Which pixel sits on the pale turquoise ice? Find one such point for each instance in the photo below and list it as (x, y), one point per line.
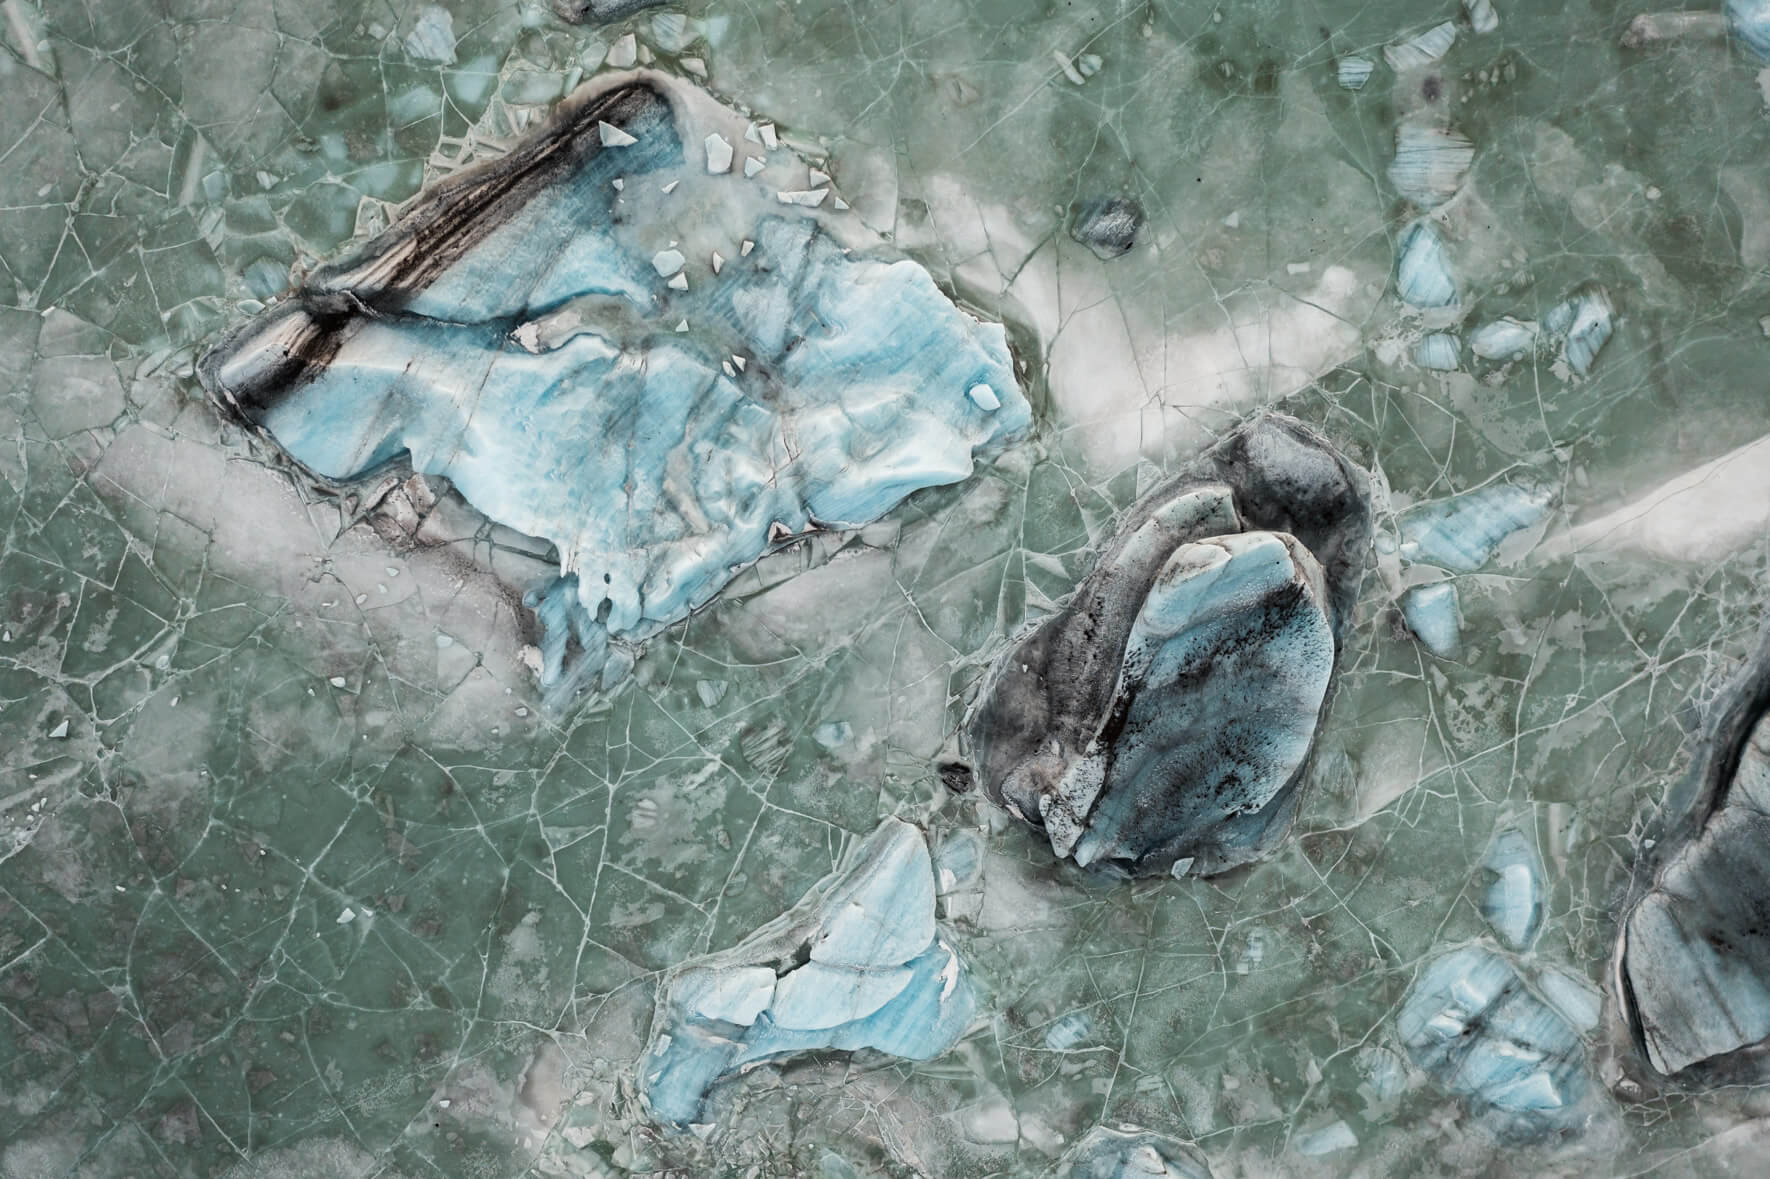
(1464, 531)
(1432, 614)
(1513, 900)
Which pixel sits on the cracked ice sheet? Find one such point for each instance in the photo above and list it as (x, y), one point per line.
(177, 988)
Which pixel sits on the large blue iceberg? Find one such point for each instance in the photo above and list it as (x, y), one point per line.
(1162, 720)
(859, 963)
(553, 333)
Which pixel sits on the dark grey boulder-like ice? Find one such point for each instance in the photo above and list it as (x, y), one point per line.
(1130, 1153)
(858, 964)
(621, 339)
(1162, 720)
(1108, 225)
(1693, 958)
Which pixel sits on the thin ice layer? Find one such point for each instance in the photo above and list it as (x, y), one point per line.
(514, 335)
(901, 988)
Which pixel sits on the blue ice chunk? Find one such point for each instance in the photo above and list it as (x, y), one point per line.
(1423, 276)
(1130, 1153)
(768, 997)
(1069, 1031)
(1438, 351)
(1472, 1025)
(1512, 902)
(1584, 321)
(1431, 613)
(1430, 161)
(1239, 622)
(1335, 1136)
(1749, 22)
(512, 335)
(1503, 339)
(1464, 531)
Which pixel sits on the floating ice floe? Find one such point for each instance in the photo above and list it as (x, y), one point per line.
(1423, 276)
(1161, 721)
(1749, 22)
(1512, 902)
(1693, 957)
(510, 334)
(1421, 50)
(1431, 613)
(1108, 225)
(1130, 1153)
(1473, 1025)
(1438, 351)
(858, 964)
(1353, 72)
(1481, 14)
(1503, 339)
(1464, 531)
(1583, 321)
(1328, 1139)
(433, 36)
(719, 153)
(1430, 162)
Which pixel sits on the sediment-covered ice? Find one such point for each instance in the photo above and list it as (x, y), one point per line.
(517, 334)
(858, 964)
(1130, 1153)
(1694, 954)
(1162, 720)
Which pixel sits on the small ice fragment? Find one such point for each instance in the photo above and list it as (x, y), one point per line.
(619, 183)
(444, 642)
(768, 137)
(433, 36)
(1069, 1032)
(1421, 50)
(718, 262)
(752, 135)
(1438, 351)
(1482, 17)
(746, 247)
(624, 53)
(60, 731)
(1749, 22)
(336, 681)
(838, 203)
(669, 188)
(671, 32)
(1326, 1140)
(1430, 162)
(1584, 319)
(810, 198)
(1353, 72)
(678, 281)
(753, 165)
(1108, 225)
(1431, 613)
(613, 136)
(682, 325)
(833, 734)
(711, 692)
(719, 154)
(1503, 339)
(1513, 900)
(346, 917)
(818, 177)
(985, 397)
(1089, 64)
(739, 361)
(667, 262)
(1068, 67)
(725, 367)
(1422, 272)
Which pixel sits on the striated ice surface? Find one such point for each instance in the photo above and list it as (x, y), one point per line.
(1130, 1153)
(858, 964)
(531, 356)
(1513, 900)
(1423, 277)
(1465, 531)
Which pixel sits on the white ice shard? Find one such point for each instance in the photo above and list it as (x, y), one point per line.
(901, 989)
(1431, 613)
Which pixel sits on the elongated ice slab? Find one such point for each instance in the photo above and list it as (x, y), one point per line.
(1353, 72)
(1422, 49)
(1430, 162)
(1475, 1027)
(1465, 531)
(1130, 1153)
(522, 332)
(1513, 900)
(1694, 955)
(1162, 720)
(857, 964)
